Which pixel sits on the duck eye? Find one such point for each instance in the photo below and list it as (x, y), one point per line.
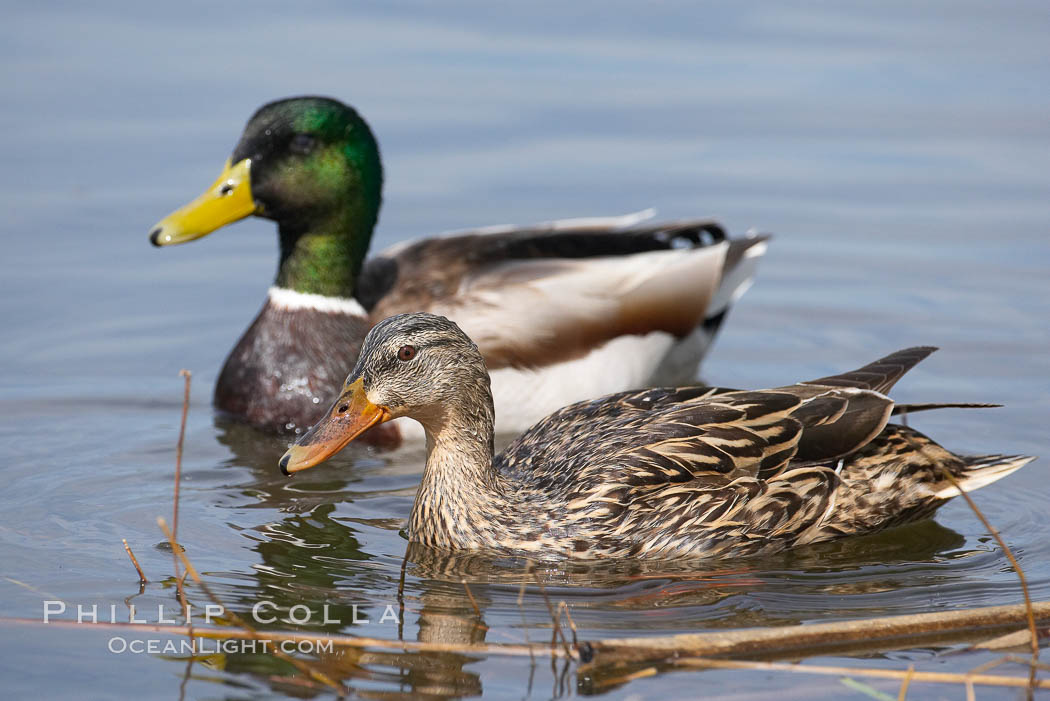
(406, 353)
(302, 143)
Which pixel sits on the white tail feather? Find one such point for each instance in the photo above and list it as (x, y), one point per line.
(737, 281)
(983, 471)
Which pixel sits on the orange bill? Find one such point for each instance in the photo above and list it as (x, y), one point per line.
(351, 415)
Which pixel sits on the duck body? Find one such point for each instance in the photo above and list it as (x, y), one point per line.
(660, 501)
(657, 473)
(282, 369)
(562, 311)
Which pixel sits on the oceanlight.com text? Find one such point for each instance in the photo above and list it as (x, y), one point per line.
(120, 645)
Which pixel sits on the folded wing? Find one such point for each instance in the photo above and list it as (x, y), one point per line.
(534, 297)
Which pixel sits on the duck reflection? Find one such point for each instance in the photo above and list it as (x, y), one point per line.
(312, 560)
(313, 577)
(268, 488)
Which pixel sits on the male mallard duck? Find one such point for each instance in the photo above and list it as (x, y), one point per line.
(562, 311)
(655, 473)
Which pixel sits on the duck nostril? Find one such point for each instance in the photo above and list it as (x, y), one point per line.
(226, 189)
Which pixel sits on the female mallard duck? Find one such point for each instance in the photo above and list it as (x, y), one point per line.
(561, 312)
(654, 473)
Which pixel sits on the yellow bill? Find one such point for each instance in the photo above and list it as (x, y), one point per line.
(227, 200)
(351, 415)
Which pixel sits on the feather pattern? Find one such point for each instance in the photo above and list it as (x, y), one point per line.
(666, 472)
(536, 297)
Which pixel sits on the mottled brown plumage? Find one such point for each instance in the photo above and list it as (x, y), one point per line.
(658, 473)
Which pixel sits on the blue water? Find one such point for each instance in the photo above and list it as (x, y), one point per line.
(897, 152)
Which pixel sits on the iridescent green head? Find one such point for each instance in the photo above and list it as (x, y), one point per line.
(312, 165)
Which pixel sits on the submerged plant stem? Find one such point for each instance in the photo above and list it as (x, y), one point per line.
(178, 453)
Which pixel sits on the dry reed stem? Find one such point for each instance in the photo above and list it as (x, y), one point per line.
(909, 673)
(1032, 630)
(1018, 638)
(470, 595)
(521, 610)
(180, 578)
(827, 670)
(991, 664)
(134, 561)
(185, 677)
(180, 592)
(555, 624)
(401, 597)
(562, 606)
(630, 677)
(178, 453)
(886, 632)
(180, 588)
(480, 623)
(1023, 660)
